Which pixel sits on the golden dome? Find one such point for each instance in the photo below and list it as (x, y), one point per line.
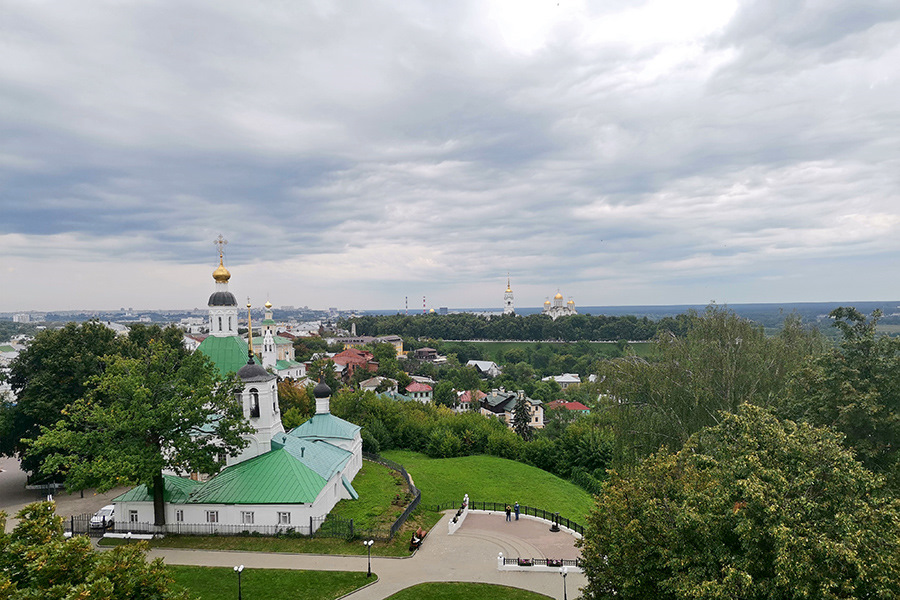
(558, 296)
(508, 290)
(570, 302)
(546, 302)
(221, 274)
(431, 311)
(268, 304)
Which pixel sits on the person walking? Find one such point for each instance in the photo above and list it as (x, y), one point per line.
(517, 510)
(508, 512)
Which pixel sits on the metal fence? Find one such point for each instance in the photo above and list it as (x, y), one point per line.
(525, 510)
(542, 562)
(329, 526)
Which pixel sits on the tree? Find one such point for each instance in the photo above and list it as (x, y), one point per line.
(37, 561)
(57, 368)
(855, 389)
(162, 410)
(722, 362)
(753, 508)
(522, 418)
(323, 370)
(444, 394)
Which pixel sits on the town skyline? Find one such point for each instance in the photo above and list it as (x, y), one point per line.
(630, 154)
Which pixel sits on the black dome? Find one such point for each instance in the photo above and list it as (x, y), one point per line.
(321, 390)
(222, 299)
(253, 371)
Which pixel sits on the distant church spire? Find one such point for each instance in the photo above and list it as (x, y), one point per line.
(508, 308)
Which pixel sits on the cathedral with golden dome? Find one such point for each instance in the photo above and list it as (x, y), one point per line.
(559, 308)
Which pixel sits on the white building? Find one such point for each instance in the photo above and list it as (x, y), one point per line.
(564, 380)
(559, 308)
(508, 308)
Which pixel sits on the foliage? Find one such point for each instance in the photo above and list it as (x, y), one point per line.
(55, 370)
(37, 561)
(215, 583)
(855, 389)
(323, 370)
(162, 410)
(522, 418)
(722, 362)
(295, 403)
(752, 508)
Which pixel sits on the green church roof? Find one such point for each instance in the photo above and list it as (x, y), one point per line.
(275, 477)
(287, 364)
(320, 456)
(326, 426)
(229, 353)
(175, 490)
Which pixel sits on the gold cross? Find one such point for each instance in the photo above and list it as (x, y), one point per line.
(220, 243)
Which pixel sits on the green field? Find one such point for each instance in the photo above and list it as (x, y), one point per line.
(464, 591)
(383, 496)
(214, 583)
(492, 479)
(495, 350)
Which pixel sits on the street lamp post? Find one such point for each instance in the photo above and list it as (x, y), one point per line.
(368, 545)
(238, 570)
(564, 571)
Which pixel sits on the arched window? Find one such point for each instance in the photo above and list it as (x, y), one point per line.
(220, 323)
(229, 324)
(254, 402)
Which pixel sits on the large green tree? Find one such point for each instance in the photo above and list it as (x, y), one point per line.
(37, 561)
(855, 389)
(161, 410)
(722, 362)
(754, 508)
(58, 367)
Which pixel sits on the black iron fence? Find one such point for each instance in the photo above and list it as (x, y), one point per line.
(329, 526)
(542, 562)
(525, 510)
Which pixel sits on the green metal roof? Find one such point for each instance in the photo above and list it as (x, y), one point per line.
(275, 477)
(7, 349)
(229, 354)
(353, 493)
(320, 456)
(268, 322)
(282, 340)
(326, 426)
(176, 490)
(287, 364)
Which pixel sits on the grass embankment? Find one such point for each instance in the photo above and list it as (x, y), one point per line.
(465, 591)
(491, 479)
(214, 583)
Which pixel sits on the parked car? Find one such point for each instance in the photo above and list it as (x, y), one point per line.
(104, 517)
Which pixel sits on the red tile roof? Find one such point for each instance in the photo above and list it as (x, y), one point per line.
(415, 386)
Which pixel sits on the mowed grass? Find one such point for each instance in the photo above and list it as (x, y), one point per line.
(383, 496)
(492, 479)
(215, 583)
(465, 591)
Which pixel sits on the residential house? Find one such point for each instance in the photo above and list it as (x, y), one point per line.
(502, 405)
(564, 380)
(485, 368)
(420, 391)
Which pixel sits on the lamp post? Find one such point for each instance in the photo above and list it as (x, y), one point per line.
(238, 570)
(564, 571)
(368, 545)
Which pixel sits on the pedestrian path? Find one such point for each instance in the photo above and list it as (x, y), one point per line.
(469, 555)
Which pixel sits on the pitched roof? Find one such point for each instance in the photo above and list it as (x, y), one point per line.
(324, 426)
(275, 477)
(175, 490)
(415, 386)
(320, 456)
(574, 405)
(229, 353)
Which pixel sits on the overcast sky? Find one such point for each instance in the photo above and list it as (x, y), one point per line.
(356, 153)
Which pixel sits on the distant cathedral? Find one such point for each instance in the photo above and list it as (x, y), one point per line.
(558, 308)
(508, 308)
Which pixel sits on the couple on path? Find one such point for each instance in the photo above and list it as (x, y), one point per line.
(509, 510)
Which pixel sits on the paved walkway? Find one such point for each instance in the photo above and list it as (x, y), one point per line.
(468, 555)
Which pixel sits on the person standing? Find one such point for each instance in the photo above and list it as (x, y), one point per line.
(517, 510)
(508, 513)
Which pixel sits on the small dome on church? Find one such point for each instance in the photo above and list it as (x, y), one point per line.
(221, 274)
(321, 390)
(571, 302)
(546, 303)
(268, 304)
(558, 296)
(222, 299)
(253, 371)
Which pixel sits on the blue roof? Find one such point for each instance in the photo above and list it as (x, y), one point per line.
(320, 456)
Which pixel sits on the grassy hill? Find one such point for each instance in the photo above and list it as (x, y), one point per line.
(492, 479)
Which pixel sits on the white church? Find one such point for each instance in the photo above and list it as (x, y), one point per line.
(281, 479)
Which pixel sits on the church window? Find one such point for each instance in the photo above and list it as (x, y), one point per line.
(212, 516)
(246, 517)
(179, 516)
(132, 516)
(284, 518)
(220, 323)
(254, 402)
(229, 324)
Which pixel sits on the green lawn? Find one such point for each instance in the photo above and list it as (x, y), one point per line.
(464, 591)
(214, 583)
(492, 479)
(383, 496)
